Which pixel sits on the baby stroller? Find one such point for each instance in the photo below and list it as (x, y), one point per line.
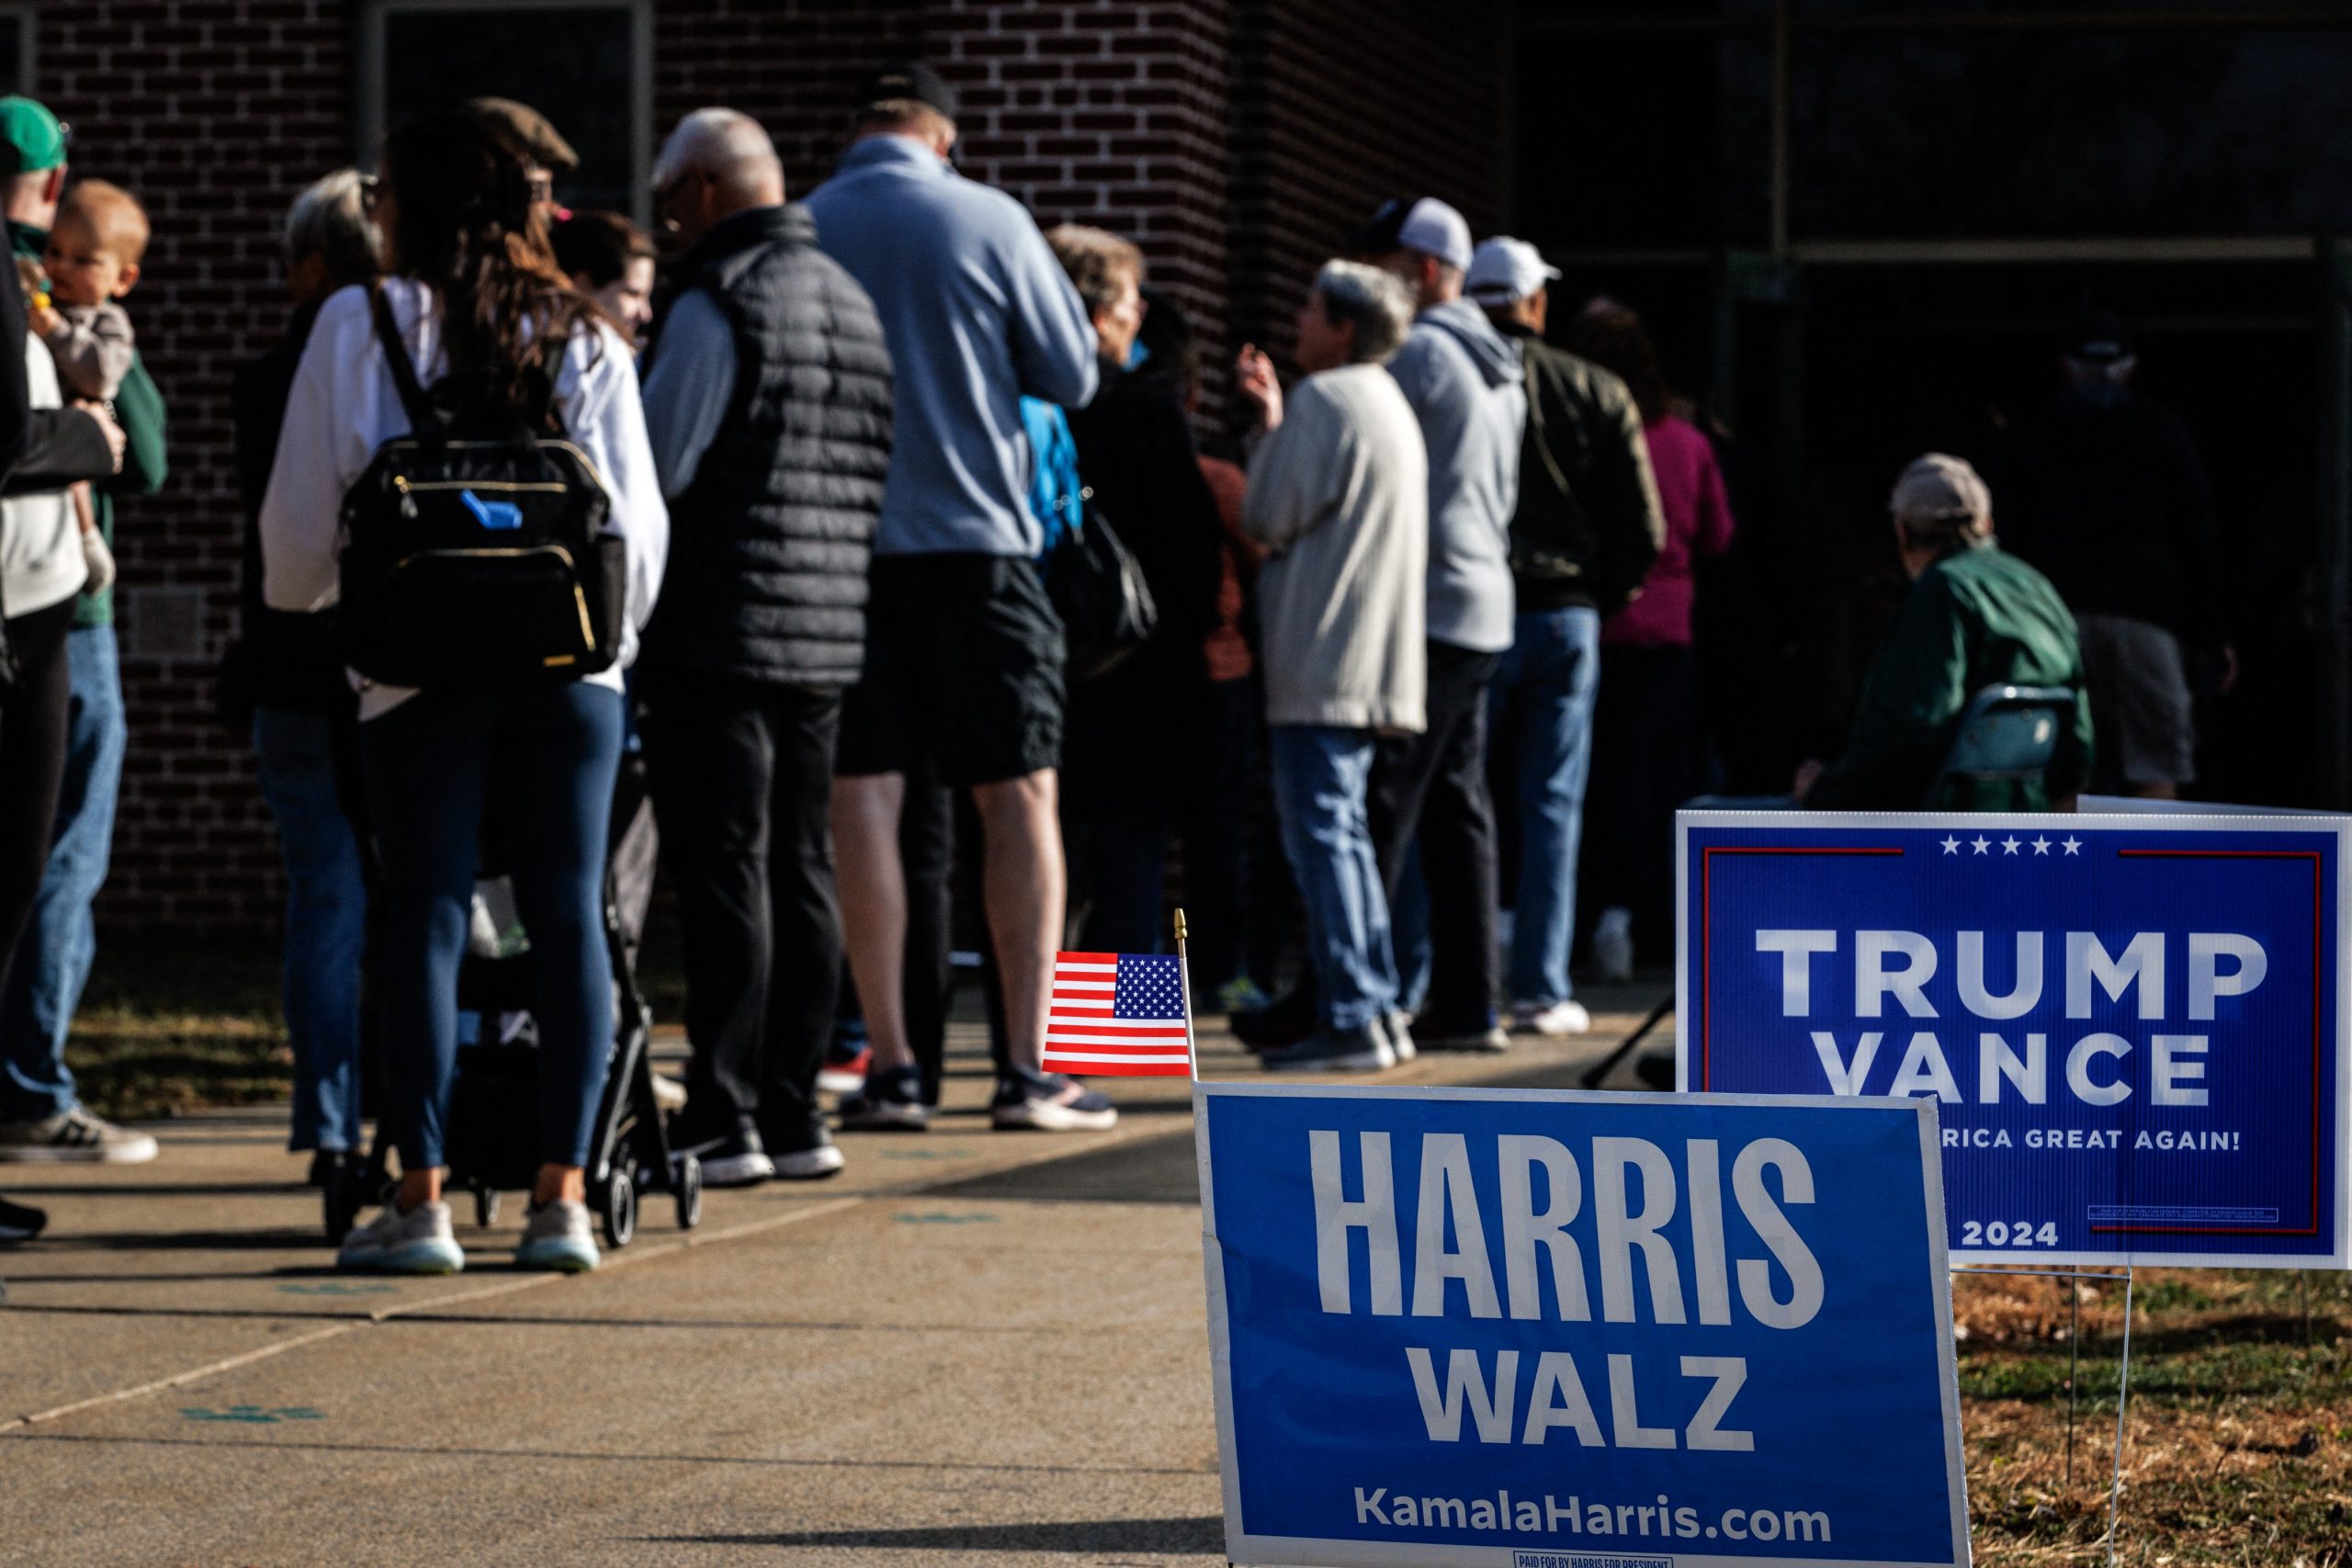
(493, 1118)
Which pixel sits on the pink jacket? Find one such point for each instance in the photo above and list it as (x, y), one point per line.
(1698, 523)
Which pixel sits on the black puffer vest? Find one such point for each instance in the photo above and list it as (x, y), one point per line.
(769, 545)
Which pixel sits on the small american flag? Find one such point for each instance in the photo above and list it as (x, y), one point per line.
(1118, 1015)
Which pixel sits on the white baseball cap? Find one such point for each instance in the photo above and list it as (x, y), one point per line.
(1503, 269)
(1427, 225)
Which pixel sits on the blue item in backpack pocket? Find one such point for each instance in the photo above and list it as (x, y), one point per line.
(500, 516)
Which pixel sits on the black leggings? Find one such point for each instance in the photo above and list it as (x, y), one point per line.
(33, 761)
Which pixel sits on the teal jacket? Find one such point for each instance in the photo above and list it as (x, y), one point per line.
(138, 409)
(1978, 617)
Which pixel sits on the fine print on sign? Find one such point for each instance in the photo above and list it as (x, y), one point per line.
(2134, 1027)
(1537, 1329)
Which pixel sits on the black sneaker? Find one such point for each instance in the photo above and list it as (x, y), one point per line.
(18, 1223)
(1472, 1034)
(892, 1102)
(1365, 1050)
(1285, 1023)
(1048, 1103)
(803, 1150)
(730, 1156)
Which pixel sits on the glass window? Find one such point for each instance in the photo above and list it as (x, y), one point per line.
(2153, 131)
(16, 49)
(580, 64)
(1644, 140)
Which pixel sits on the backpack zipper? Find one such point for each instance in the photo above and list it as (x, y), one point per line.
(579, 595)
(407, 486)
(586, 462)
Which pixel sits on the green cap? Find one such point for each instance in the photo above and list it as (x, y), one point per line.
(32, 139)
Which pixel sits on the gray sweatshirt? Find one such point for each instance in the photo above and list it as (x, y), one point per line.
(1338, 496)
(977, 312)
(1465, 385)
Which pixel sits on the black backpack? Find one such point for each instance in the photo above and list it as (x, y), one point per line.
(475, 548)
(1097, 588)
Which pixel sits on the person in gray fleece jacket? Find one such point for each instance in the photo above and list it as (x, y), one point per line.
(1467, 388)
(1338, 496)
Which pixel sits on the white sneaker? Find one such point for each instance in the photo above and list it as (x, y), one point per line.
(669, 1094)
(556, 1239)
(1558, 1020)
(1401, 1036)
(419, 1242)
(74, 1137)
(1613, 946)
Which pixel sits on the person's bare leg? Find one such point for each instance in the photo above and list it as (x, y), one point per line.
(873, 888)
(558, 1182)
(420, 1187)
(1024, 887)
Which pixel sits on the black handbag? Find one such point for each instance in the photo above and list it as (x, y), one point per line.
(1098, 589)
(475, 548)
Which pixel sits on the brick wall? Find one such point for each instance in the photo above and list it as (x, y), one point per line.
(215, 115)
(1234, 141)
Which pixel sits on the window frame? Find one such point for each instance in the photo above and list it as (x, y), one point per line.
(26, 14)
(368, 127)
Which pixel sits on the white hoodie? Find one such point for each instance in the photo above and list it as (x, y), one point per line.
(344, 406)
(41, 541)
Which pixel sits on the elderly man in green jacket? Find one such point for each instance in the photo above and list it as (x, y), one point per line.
(1976, 616)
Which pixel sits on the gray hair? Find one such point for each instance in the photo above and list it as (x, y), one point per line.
(1375, 301)
(330, 220)
(731, 148)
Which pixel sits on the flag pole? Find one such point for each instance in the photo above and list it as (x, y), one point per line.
(1184, 979)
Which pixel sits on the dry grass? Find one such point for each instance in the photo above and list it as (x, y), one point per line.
(2238, 1444)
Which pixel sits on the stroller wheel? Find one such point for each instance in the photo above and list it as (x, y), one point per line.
(620, 1207)
(485, 1206)
(687, 1183)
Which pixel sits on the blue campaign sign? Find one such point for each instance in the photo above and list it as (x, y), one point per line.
(2134, 1026)
(1535, 1329)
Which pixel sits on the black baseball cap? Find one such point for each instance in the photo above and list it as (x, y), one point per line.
(900, 81)
(2100, 338)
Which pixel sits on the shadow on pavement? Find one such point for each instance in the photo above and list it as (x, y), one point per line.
(1205, 1534)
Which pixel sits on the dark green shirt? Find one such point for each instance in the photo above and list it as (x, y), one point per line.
(1978, 617)
(138, 409)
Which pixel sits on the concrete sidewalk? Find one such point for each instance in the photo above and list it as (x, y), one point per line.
(971, 1347)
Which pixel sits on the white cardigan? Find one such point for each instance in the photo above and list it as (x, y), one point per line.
(40, 539)
(344, 406)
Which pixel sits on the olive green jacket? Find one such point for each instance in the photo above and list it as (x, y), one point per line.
(1978, 617)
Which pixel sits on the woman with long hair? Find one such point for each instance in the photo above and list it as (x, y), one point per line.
(479, 304)
(1646, 733)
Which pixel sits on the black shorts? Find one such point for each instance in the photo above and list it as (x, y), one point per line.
(962, 664)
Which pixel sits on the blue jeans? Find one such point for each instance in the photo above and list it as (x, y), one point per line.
(326, 922)
(1542, 699)
(544, 758)
(61, 941)
(1320, 776)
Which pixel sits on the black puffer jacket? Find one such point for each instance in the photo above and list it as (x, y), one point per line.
(769, 544)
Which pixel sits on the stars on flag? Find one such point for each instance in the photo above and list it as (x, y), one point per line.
(2042, 844)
